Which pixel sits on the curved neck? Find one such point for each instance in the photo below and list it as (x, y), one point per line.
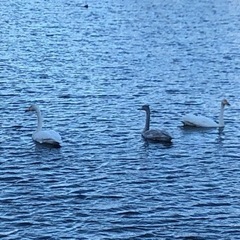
(221, 121)
(39, 118)
(147, 123)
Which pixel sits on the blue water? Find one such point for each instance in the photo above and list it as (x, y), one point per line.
(89, 70)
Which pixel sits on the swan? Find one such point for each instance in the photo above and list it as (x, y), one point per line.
(44, 136)
(153, 134)
(202, 121)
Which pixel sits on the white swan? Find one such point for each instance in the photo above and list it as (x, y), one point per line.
(202, 121)
(153, 134)
(44, 136)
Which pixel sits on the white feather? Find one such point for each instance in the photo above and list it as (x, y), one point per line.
(44, 136)
(198, 121)
(202, 121)
(47, 136)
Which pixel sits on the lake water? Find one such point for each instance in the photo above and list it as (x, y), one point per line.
(89, 70)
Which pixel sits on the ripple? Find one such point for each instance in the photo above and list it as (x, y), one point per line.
(90, 71)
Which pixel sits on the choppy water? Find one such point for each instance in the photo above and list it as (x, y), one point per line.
(90, 70)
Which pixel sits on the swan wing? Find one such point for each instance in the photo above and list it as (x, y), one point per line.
(198, 121)
(157, 135)
(47, 136)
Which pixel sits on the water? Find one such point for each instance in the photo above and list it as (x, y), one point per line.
(90, 70)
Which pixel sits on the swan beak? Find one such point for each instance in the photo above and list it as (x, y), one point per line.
(225, 102)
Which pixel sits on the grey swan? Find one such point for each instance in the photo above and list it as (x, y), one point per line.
(154, 135)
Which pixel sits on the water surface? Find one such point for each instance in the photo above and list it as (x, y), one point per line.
(89, 70)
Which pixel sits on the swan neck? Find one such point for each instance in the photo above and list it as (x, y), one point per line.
(39, 119)
(147, 123)
(221, 121)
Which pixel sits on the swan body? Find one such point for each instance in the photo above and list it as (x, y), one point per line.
(44, 136)
(153, 134)
(192, 120)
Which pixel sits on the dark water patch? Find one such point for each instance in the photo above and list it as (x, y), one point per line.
(212, 204)
(24, 224)
(8, 234)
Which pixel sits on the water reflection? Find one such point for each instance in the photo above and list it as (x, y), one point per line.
(148, 144)
(46, 151)
(221, 135)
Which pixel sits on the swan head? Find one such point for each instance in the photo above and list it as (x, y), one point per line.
(225, 103)
(145, 107)
(32, 108)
